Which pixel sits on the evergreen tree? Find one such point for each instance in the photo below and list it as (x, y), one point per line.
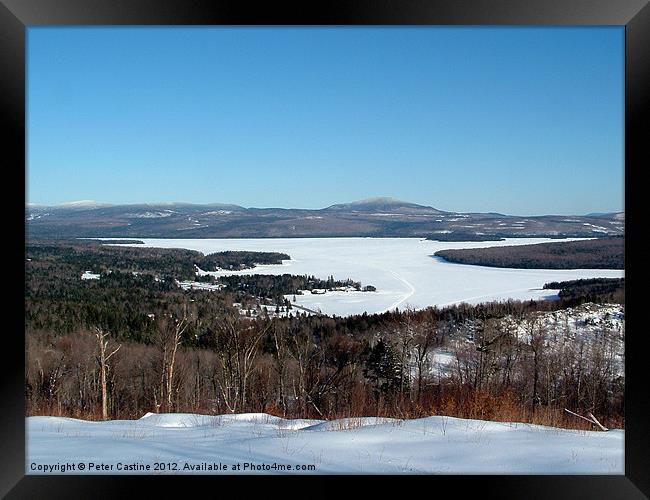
(383, 369)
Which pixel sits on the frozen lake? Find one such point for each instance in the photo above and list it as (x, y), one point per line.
(402, 269)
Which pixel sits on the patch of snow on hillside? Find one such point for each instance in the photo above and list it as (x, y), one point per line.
(197, 285)
(592, 326)
(443, 362)
(218, 212)
(149, 215)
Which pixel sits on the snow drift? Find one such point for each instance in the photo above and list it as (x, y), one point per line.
(261, 443)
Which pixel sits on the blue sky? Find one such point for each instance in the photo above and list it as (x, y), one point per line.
(512, 120)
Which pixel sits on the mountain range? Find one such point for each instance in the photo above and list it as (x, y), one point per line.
(376, 217)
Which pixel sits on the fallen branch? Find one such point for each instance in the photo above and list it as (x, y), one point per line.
(591, 420)
(603, 428)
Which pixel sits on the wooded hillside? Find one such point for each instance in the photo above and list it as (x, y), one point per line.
(601, 253)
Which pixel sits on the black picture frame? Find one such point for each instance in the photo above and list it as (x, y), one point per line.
(17, 15)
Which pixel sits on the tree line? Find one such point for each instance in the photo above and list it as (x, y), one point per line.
(591, 290)
(210, 361)
(601, 253)
(94, 256)
(276, 286)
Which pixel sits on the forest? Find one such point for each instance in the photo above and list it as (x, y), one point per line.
(127, 344)
(91, 255)
(592, 290)
(122, 299)
(600, 253)
(464, 236)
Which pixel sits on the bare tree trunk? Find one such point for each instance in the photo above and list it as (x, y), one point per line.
(591, 420)
(178, 332)
(102, 376)
(170, 332)
(102, 342)
(160, 397)
(280, 362)
(535, 378)
(197, 396)
(249, 353)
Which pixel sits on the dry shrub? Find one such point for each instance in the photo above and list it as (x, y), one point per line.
(274, 409)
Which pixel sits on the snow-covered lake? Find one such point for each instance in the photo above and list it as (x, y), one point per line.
(192, 444)
(402, 269)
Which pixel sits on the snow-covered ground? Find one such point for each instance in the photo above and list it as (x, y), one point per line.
(595, 330)
(187, 285)
(584, 323)
(442, 445)
(592, 327)
(443, 362)
(402, 269)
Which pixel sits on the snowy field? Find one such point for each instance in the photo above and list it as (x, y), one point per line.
(402, 269)
(198, 444)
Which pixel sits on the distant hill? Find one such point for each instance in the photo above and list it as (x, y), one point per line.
(620, 215)
(375, 217)
(388, 205)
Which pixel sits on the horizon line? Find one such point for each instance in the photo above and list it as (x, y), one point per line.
(378, 199)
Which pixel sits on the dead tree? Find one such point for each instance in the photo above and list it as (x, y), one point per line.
(426, 337)
(303, 350)
(237, 348)
(592, 420)
(536, 341)
(280, 360)
(170, 334)
(102, 359)
(405, 332)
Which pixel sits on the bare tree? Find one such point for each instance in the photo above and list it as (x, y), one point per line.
(424, 339)
(102, 359)
(169, 337)
(280, 359)
(405, 333)
(237, 346)
(303, 349)
(536, 338)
